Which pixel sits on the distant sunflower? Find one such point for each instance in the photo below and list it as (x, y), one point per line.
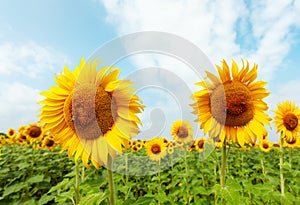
(265, 145)
(48, 142)
(230, 106)
(156, 149)
(11, 133)
(291, 143)
(91, 113)
(199, 144)
(287, 120)
(182, 131)
(33, 132)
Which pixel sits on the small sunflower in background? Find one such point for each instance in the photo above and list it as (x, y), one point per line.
(230, 106)
(156, 149)
(265, 145)
(11, 133)
(182, 131)
(291, 143)
(91, 113)
(48, 142)
(33, 132)
(287, 120)
(199, 144)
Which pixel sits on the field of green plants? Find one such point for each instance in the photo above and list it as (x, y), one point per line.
(42, 176)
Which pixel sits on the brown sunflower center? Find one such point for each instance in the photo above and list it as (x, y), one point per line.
(200, 144)
(90, 110)
(11, 132)
(292, 141)
(182, 132)
(155, 149)
(34, 131)
(49, 143)
(290, 121)
(231, 104)
(265, 145)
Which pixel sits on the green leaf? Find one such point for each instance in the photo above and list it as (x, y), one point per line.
(35, 179)
(14, 188)
(91, 199)
(45, 199)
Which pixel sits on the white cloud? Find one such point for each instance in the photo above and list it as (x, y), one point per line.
(222, 29)
(28, 59)
(18, 105)
(24, 68)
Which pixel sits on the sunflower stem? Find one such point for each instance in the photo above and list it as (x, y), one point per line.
(223, 169)
(281, 168)
(186, 177)
(159, 179)
(110, 181)
(290, 157)
(82, 174)
(77, 193)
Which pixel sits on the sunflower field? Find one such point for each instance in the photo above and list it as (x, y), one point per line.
(82, 150)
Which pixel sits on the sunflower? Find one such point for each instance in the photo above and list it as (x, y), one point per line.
(33, 132)
(91, 113)
(230, 106)
(287, 119)
(291, 143)
(182, 131)
(156, 149)
(11, 133)
(48, 142)
(199, 144)
(265, 145)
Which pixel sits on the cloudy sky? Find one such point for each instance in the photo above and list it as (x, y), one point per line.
(38, 38)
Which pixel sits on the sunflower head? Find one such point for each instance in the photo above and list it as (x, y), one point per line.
(11, 133)
(230, 106)
(182, 131)
(291, 143)
(48, 142)
(265, 145)
(33, 132)
(287, 118)
(156, 149)
(91, 113)
(199, 144)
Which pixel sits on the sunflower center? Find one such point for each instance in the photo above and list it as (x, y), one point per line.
(34, 131)
(265, 146)
(11, 132)
(155, 149)
(200, 144)
(91, 111)
(49, 143)
(290, 121)
(293, 141)
(182, 132)
(231, 104)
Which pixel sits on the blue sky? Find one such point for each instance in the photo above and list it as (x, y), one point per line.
(38, 38)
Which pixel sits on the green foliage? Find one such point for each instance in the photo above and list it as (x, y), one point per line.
(40, 177)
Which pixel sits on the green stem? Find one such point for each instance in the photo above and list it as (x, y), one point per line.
(222, 177)
(186, 177)
(281, 168)
(82, 174)
(110, 181)
(291, 156)
(77, 193)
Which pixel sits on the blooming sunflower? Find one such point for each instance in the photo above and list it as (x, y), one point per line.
(231, 106)
(199, 144)
(91, 113)
(156, 149)
(265, 145)
(48, 142)
(182, 131)
(291, 143)
(33, 132)
(287, 119)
